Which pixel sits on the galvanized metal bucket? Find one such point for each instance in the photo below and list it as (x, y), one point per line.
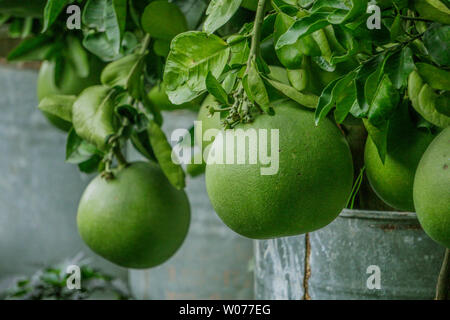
(213, 263)
(39, 192)
(361, 255)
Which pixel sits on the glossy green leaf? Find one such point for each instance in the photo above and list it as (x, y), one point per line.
(442, 103)
(78, 56)
(298, 79)
(308, 100)
(437, 42)
(163, 153)
(101, 16)
(398, 66)
(78, 150)
(218, 13)
(163, 20)
(437, 78)
(301, 28)
(52, 10)
(59, 106)
(258, 89)
(125, 73)
(379, 137)
(193, 54)
(332, 93)
(35, 48)
(93, 115)
(384, 102)
(215, 88)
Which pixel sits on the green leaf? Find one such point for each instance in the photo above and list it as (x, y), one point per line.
(437, 41)
(98, 44)
(193, 54)
(427, 107)
(303, 27)
(101, 16)
(433, 10)
(398, 66)
(93, 115)
(332, 93)
(364, 72)
(239, 50)
(59, 106)
(35, 48)
(125, 73)
(384, 103)
(78, 150)
(396, 27)
(342, 11)
(218, 13)
(78, 56)
(120, 9)
(163, 153)
(345, 103)
(215, 88)
(437, 78)
(443, 103)
(52, 11)
(163, 20)
(379, 137)
(308, 100)
(298, 78)
(258, 92)
(141, 143)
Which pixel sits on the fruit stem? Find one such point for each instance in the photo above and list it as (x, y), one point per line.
(443, 285)
(257, 29)
(120, 157)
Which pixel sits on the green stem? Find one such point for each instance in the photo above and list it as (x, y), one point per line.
(120, 157)
(415, 19)
(443, 285)
(257, 29)
(145, 44)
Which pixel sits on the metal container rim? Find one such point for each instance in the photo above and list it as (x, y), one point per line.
(377, 215)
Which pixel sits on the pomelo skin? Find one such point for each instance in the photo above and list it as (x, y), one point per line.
(136, 220)
(309, 191)
(432, 189)
(393, 181)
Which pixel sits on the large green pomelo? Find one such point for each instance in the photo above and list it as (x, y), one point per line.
(136, 220)
(158, 96)
(309, 190)
(393, 181)
(432, 189)
(71, 84)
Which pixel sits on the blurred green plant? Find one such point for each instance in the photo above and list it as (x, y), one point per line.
(50, 283)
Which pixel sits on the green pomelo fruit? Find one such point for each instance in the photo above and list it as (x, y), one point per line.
(432, 189)
(70, 84)
(137, 219)
(309, 190)
(158, 96)
(393, 181)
